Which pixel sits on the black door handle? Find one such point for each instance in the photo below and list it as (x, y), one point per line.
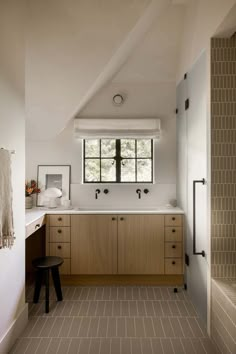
(202, 181)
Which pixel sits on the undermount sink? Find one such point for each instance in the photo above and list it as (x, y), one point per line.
(118, 209)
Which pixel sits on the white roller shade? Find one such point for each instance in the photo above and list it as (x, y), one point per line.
(121, 128)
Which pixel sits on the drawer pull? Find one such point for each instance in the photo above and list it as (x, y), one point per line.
(173, 246)
(59, 231)
(122, 219)
(173, 230)
(113, 218)
(59, 247)
(173, 218)
(59, 219)
(173, 262)
(37, 225)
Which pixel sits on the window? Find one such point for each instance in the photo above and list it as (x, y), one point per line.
(118, 160)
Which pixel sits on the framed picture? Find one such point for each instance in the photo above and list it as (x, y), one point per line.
(54, 176)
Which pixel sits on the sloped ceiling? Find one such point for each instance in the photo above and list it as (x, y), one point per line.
(70, 43)
(148, 79)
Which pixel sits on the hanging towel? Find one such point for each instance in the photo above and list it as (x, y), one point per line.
(6, 213)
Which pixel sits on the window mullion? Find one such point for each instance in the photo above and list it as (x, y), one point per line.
(100, 155)
(136, 167)
(118, 161)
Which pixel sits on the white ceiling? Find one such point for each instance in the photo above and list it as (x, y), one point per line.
(70, 43)
(148, 78)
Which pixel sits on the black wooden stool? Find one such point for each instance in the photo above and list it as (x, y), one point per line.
(43, 265)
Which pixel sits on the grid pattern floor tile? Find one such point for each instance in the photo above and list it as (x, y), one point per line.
(114, 320)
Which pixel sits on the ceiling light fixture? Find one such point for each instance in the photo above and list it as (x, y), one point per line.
(118, 100)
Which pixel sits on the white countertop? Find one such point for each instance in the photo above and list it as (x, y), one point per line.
(32, 215)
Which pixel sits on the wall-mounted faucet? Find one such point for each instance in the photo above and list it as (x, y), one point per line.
(97, 191)
(138, 191)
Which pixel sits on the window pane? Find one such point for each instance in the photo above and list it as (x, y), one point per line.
(92, 148)
(128, 170)
(144, 148)
(92, 170)
(144, 170)
(108, 147)
(108, 170)
(127, 147)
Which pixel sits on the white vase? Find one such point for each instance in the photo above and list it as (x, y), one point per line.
(28, 202)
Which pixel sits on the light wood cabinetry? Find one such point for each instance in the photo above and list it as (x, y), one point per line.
(117, 244)
(59, 240)
(173, 244)
(93, 244)
(141, 244)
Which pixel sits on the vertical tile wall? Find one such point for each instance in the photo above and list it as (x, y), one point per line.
(223, 156)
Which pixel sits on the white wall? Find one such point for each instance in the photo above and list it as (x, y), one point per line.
(202, 18)
(65, 150)
(12, 136)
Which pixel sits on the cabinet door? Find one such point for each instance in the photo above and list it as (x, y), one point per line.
(141, 244)
(93, 244)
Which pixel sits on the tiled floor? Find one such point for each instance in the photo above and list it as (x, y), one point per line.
(115, 320)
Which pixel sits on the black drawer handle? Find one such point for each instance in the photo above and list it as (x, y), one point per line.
(113, 218)
(59, 219)
(59, 247)
(173, 218)
(37, 225)
(59, 231)
(122, 219)
(173, 262)
(173, 246)
(173, 230)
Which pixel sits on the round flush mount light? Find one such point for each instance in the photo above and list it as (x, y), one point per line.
(118, 99)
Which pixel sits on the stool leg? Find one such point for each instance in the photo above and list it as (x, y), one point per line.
(57, 283)
(47, 291)
(38, 284)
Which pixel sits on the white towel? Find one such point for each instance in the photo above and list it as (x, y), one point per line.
(6, 213)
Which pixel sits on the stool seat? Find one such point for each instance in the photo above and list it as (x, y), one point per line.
(43, 266)
(47, 262)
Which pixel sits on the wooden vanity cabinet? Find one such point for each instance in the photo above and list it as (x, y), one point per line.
(59, 240)
(141, 244)
(174, 244)
(117, 244)
(93, 244)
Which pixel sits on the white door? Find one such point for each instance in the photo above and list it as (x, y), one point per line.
(194, 123)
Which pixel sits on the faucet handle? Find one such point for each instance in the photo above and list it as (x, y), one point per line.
(138, 190)
(146, 191)
(98, 191)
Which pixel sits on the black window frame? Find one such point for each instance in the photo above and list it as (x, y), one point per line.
(118, 160)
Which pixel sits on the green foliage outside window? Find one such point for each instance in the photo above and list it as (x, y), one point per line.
(118, 160)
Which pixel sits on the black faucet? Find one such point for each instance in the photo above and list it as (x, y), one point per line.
(138, 191)
(97, 191)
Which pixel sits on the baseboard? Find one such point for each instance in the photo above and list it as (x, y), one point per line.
(14, 331)
(171, 280)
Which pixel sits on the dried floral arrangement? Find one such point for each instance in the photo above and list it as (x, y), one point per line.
(31, 188)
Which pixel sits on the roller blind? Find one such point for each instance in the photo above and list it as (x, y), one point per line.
(117, 127)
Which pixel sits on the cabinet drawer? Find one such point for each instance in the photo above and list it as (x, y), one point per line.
(59, 220)
(173, 249)
(173, 266)
(174, 233)
(34, 226)
(59, 234)
(59, 249)
(173, 220)
(65, 267)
